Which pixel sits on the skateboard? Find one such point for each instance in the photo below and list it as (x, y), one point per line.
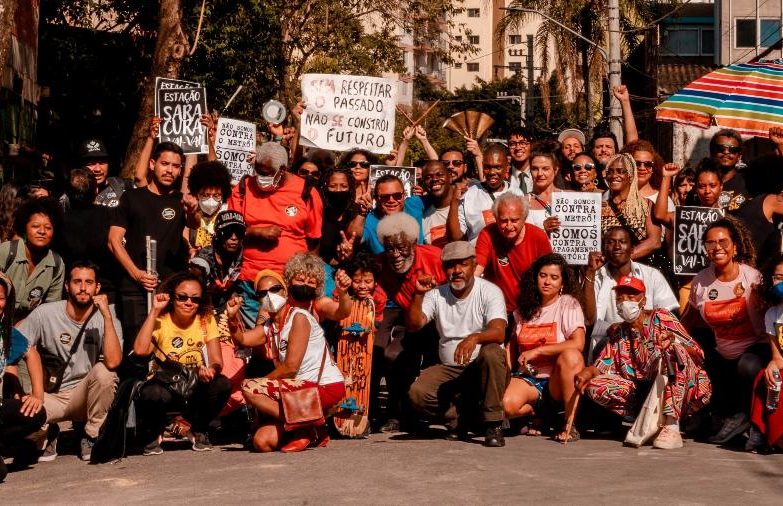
(354, 358)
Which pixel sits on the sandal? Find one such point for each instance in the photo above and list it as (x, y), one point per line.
(573, 435)
(534, 428)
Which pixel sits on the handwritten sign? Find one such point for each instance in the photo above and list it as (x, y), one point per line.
(406, 174)
(690, 222)
(180, 112)
(580, 225)
(345, 112)
(234, 142)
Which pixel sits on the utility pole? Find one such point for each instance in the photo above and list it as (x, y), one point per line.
(615, 110)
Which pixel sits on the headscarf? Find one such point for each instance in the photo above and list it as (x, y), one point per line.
(263, 273)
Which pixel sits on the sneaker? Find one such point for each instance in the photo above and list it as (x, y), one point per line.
(392, 425)
(755, 441)
(153, 448)
(493, 438)
(668, 439)
(50, 449)
(85, 448)
(733, 426)
(201, 442)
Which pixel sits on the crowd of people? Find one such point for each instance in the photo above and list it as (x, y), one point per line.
(479, 325)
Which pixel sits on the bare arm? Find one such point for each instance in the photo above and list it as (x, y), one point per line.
(661, 208)
(112, 351)
(297, 346)
(143, 161)
(143, 346)
(415, 319)
(629, 122)
(453, 230)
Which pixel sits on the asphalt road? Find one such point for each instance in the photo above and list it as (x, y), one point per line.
(399, 470)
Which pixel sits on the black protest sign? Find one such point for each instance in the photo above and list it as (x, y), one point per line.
(180, 118)
(690, 222)
(406, 174)
(164, 83)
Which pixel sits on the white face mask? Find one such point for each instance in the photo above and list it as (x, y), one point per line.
(209, 206)
(268, 183)
(629, 310)
(273, 302)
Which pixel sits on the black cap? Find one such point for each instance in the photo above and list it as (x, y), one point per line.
(92, 149)
(227, 220)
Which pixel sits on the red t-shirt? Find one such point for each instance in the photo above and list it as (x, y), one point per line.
(504, 265)
(285, 208)
(425, 262)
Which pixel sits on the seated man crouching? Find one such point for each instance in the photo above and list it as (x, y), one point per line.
(470, 315)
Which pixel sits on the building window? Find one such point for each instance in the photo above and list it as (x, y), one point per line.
(515, 39)
(746, 32)
(515, 66)
(473, 67)
(474, 13)
(689, 41)
(707, 41)
(458, 65)
(770, 32)
(473, 39)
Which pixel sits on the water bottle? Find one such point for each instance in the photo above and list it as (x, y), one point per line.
(773, 394)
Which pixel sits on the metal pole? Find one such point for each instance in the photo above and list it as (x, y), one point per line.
(615, 110)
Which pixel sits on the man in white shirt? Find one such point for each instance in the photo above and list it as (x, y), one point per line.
(469, 215)
(436, 181)
(470, 315)
(604, 269)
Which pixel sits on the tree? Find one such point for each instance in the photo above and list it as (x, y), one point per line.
(7, 11)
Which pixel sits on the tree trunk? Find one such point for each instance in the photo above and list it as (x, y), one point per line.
(170, 48)
(7, 11)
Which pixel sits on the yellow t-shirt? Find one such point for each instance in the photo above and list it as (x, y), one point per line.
(184, 345)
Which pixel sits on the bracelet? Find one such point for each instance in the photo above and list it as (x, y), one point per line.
(591, 280)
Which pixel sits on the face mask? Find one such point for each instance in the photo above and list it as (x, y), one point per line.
(268, 183)
(629, 310)
(273, 302)
(302, 293)
(338, 200)
(777, 290)
(209, 205)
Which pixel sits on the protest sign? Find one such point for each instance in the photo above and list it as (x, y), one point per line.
(580, 225)
(235, 141)
(406, 174)
(690, 222)
(345, 112)
(164, 83)
(180, 113)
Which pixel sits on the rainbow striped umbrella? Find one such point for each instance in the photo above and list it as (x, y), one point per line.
(747, 97)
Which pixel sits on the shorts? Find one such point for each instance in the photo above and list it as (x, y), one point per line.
(329, 394)
(540, 384)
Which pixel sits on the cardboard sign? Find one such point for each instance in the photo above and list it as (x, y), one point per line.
(235, 140)
(690, 222)
(580, 225)
(406, 174)
(164, 83)
(180, 113)
(345, 112)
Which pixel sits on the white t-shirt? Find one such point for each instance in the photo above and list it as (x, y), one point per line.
(658, 293)
(434, 225)
(311, 362)
(475, 209)
(457, 318)
(669, 202)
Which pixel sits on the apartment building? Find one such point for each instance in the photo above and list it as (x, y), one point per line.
(746, 29)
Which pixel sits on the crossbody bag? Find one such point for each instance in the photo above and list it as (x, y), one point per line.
(54, 365)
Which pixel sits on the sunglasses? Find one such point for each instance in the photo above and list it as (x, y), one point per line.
(720, 243)
(274, 289)
(647, 164)
(456, 163)
(385, 197)
(181, 297)
(308, 173)
(583, 166)
(727, 148)
(353, 163)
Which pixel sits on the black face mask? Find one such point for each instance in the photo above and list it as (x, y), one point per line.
(302, 293)
(339, 200)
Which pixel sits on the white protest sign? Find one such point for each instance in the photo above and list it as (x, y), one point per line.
(580, 225)
(235, 140)
(345, 112)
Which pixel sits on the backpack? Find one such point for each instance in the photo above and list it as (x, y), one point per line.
(112, 439)
(58, 260)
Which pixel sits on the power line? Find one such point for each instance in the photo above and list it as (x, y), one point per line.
(653, 23)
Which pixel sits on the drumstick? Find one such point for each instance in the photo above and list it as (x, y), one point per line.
(426, 112)
(402, 111)
(571, 416)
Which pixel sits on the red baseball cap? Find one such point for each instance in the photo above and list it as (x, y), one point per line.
(630, 283)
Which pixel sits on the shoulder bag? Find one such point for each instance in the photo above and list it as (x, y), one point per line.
(54, 365)
(178, 378)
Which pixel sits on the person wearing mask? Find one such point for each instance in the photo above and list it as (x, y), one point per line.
(646, 343)
(471, 213)
(572, 141)
(436, 181)
(210, 183)
(36, 270)
(544, 168)
(725, 297)
(519, 141)
(95, 158)
(297, 345)
(280, 221)
(343, 218)
(390, 196)
(471, 321)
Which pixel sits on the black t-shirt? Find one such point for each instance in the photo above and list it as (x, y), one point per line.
(330, 233)
(735, 192)
(85, 237)
(143, 213)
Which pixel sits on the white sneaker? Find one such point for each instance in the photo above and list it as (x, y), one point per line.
(668, 439)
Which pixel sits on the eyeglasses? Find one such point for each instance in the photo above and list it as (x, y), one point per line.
(723, 244)
(274, 289)
(646, 163)
(355, 163)
(181, 297)
(580, 166)
(456, 163)
(518, 144)
(385, 197)
(727, 148)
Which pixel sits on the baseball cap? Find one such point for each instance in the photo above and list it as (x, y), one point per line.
(227, 220)
(630, 283)
(572, 132)
(200, 262)
(92, 149)
(457, 250)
